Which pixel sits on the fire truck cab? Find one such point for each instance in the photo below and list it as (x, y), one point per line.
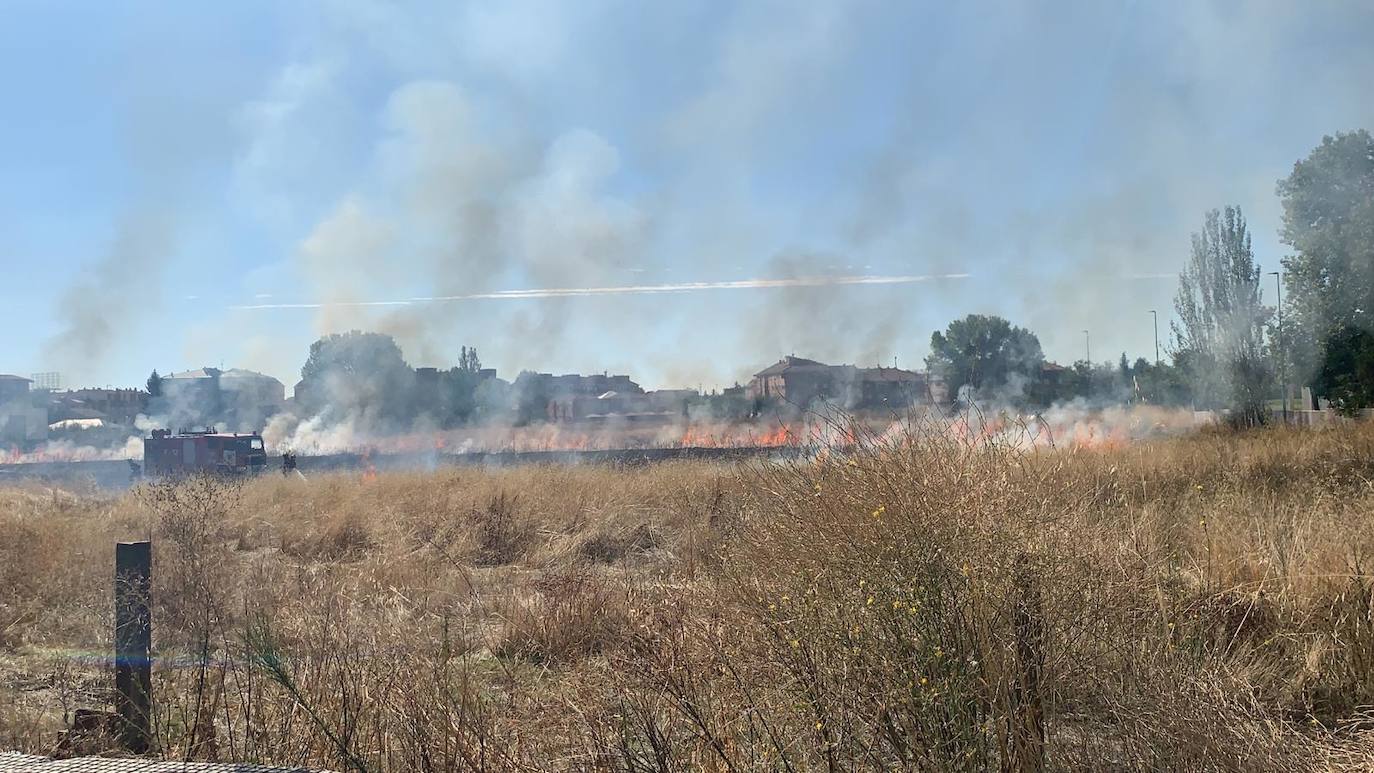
(188, 452)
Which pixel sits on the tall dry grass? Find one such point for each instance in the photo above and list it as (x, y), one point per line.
(925, 603)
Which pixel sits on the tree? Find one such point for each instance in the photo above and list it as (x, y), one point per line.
(1346, 375)
(1099, 382)
(360, 377)
(532, 395)
(986, 355)
(1221, 321)
(1328, 218)
(467, 360)
(154, 385)
(1161, 384)
(462, 383)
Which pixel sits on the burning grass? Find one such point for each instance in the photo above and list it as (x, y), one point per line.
(930, 601)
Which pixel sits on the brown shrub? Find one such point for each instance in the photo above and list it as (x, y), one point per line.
(564, 616)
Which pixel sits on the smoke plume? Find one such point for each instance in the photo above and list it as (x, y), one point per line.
(105, 300)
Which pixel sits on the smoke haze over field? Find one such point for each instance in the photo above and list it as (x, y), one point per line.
(252, 177)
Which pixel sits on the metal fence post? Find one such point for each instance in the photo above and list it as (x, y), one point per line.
(133, 640)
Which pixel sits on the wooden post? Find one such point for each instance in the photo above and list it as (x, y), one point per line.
(133, 639)
(1027, 720)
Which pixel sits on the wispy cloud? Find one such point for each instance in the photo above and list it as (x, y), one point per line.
(577, 292)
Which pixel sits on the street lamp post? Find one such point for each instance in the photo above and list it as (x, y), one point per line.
(1283, 368)
(1155, 314)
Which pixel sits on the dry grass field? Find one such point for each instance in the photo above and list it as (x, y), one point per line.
(1202, 603)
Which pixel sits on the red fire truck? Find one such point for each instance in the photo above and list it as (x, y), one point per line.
(188, 452)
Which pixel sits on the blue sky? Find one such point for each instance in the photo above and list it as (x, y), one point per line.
(163, 168)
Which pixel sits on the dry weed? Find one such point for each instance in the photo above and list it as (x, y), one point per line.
(925, 602)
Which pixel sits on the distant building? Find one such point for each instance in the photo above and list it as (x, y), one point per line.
(599, 397)
(430, 378)
(20, 420)
(662, 405)
(239, 399)
(802, 382)
(12, 387)
(880, 387)
(46, 381)
(571, 384)
(536, 396)
(113, 406)
(436, 391)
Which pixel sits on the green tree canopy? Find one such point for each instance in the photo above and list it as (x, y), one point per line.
(1346, 375)
(462, 384)
(984, 353)
(1328, 219)
(359, 376)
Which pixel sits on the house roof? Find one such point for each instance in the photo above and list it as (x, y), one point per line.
(888, 374)
(794, 364)
(223, 374)
(7, 377)
(790, 363)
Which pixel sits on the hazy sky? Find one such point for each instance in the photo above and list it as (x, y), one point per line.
(165, 166)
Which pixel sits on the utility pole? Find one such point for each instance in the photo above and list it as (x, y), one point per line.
(1283, 367)
(1155, 314)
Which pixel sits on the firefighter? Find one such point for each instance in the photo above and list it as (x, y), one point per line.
(135, 472)
(288, 463)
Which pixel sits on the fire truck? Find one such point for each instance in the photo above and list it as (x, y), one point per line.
(188, 452)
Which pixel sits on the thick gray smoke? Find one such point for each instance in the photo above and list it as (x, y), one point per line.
(465, 211)
(854, 324)
(1061, 158)
(106, 299)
